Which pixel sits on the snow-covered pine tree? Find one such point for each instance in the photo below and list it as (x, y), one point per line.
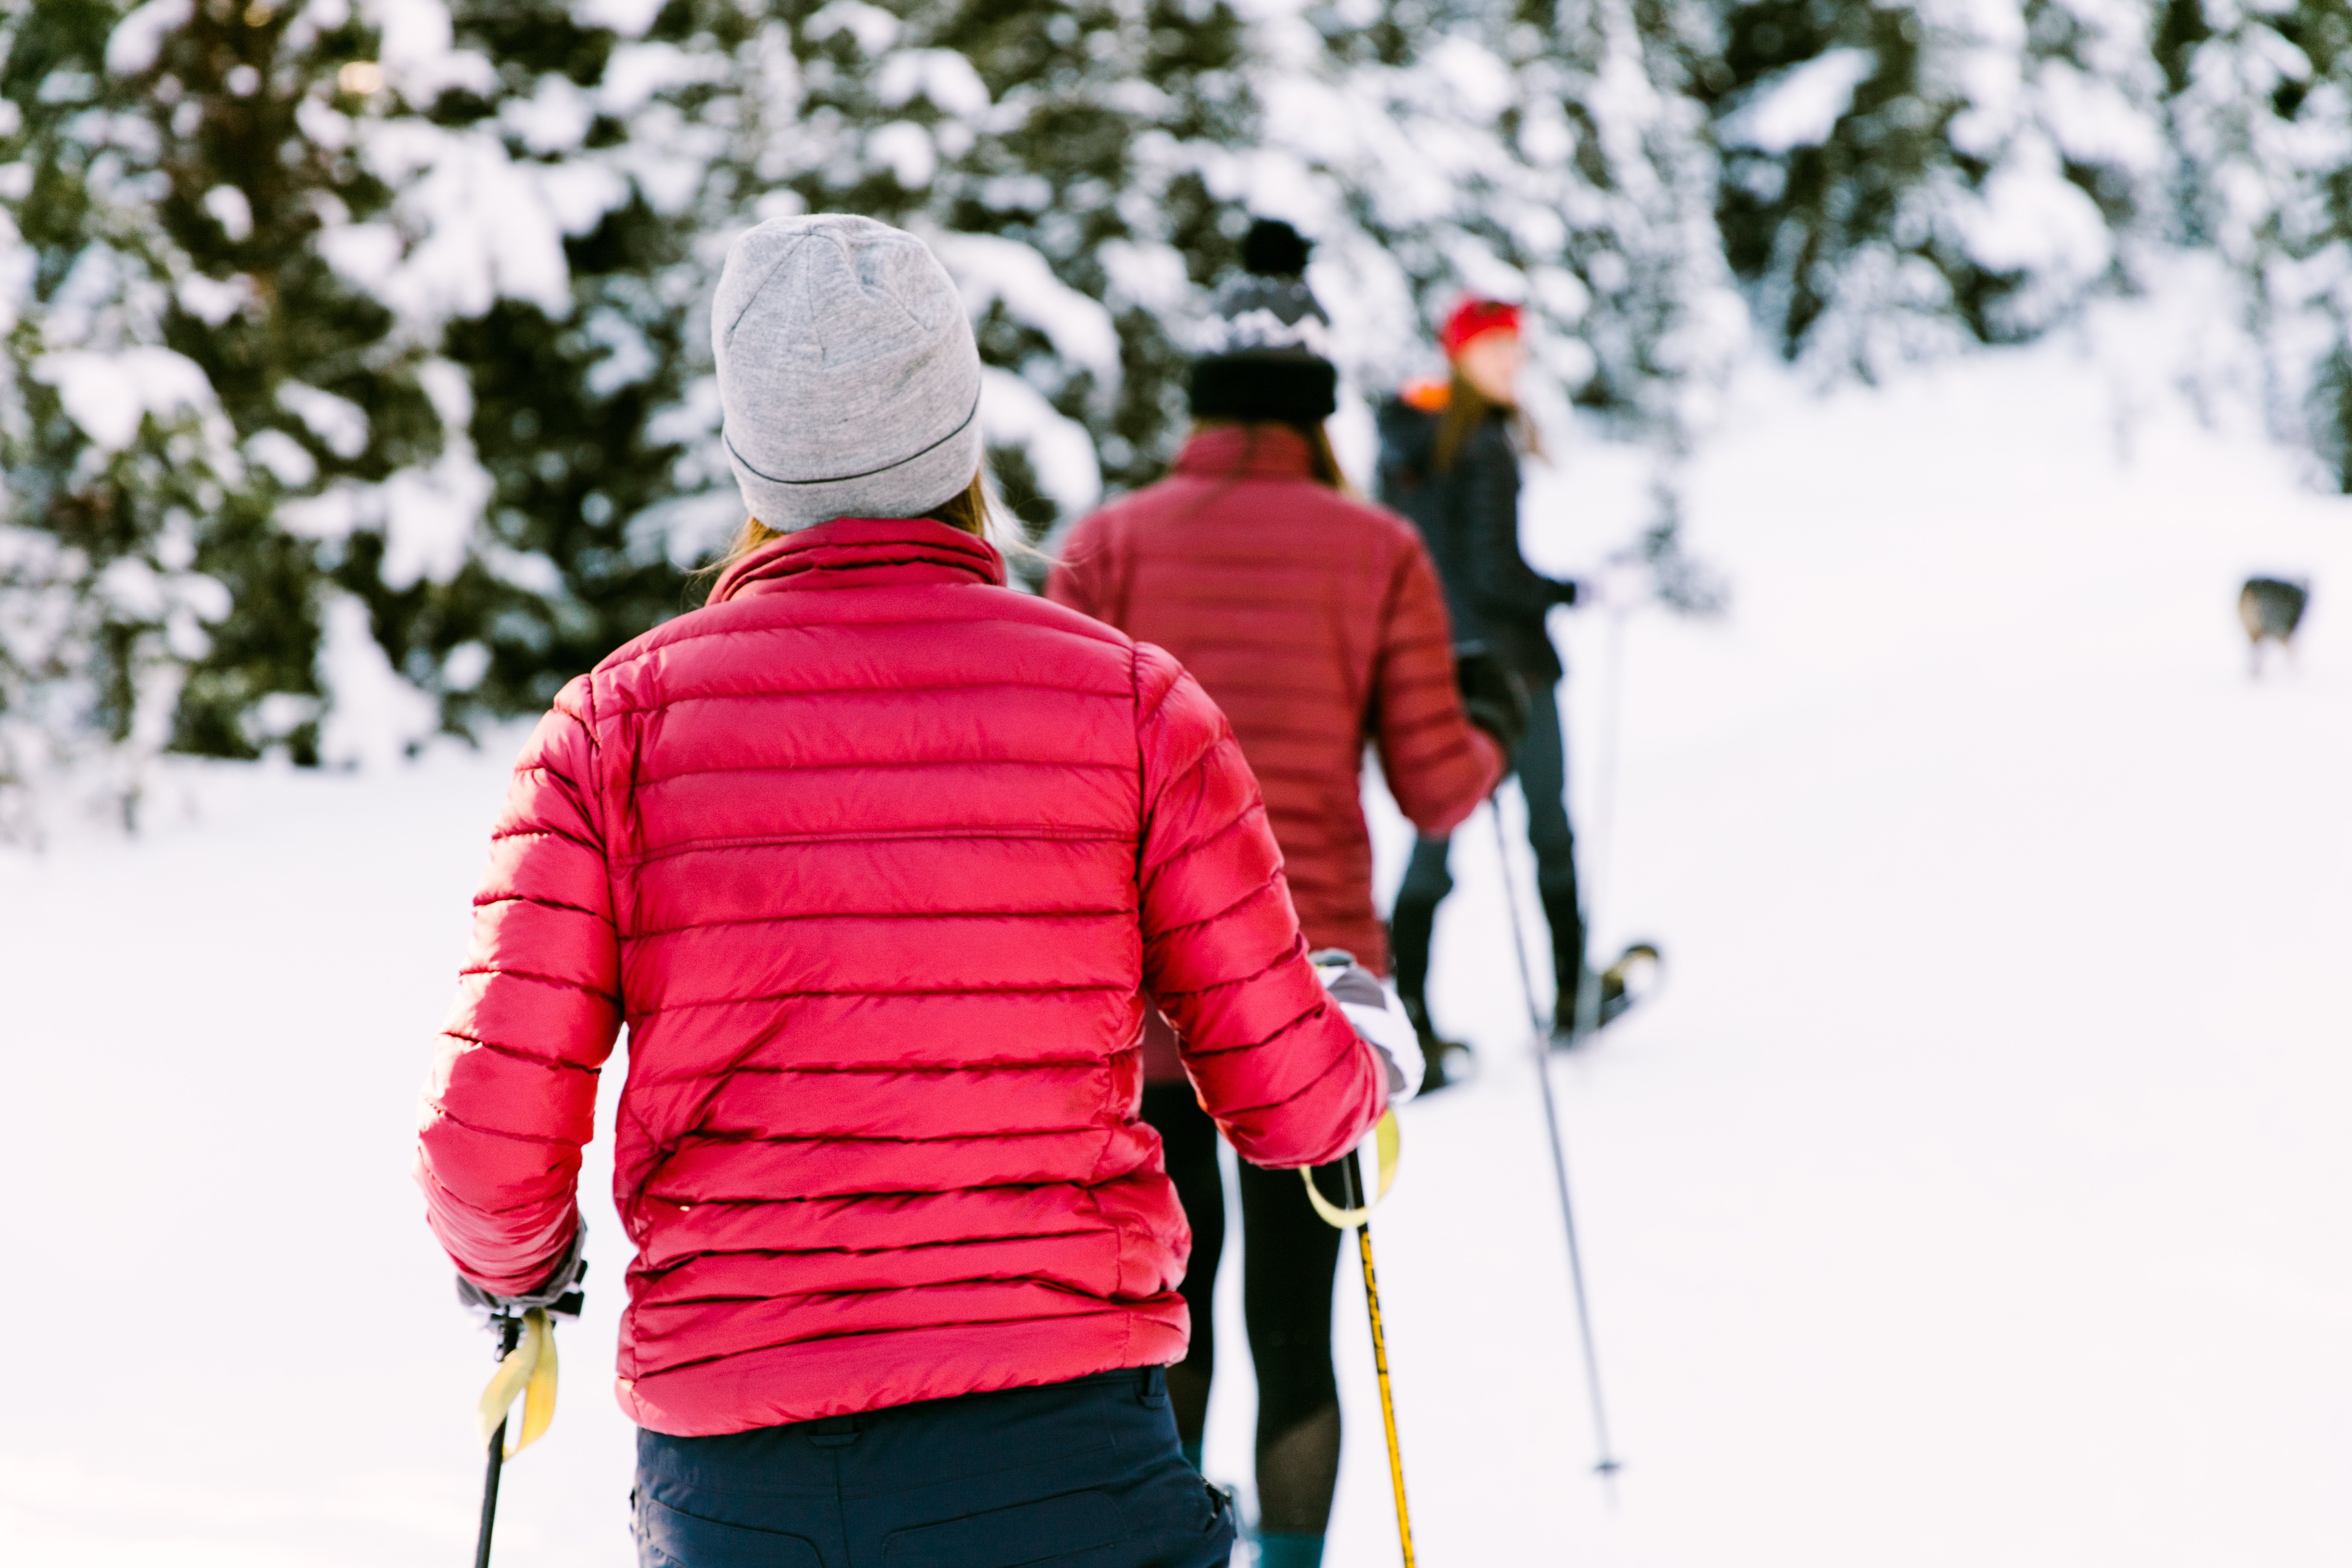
(257, 107)
(1540, 152)
(112, 447)
(1050, 158)
(1543, 152)
(414, 296)
(1057, 157)
(580, 178)
(179, 366)
(1903, 179)
(2261, 109)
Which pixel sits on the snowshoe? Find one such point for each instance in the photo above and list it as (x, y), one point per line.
(1444, 1062)
(1624, 984)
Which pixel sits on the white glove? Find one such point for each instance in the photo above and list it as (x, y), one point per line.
(1377, 1018)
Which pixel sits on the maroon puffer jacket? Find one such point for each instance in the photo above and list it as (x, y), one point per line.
(879, 861)
(1314, 622)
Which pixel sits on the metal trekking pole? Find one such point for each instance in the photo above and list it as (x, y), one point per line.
(509, 1334)
(1607, 1465)
(1604, 814)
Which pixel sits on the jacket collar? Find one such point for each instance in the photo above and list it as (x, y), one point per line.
(1245, 452)
(862, 553)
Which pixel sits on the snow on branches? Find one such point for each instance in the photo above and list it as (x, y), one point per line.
(354, 375)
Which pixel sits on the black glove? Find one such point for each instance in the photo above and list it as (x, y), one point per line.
(1493, 695)
(561, 1294)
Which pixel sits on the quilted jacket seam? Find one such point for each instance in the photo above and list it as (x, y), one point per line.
(882, 990)
(863, 1195)
(1252, 896)
(1296, 949)
(912, 688)
(536, 978)
(1199, 760)
(1059, 765)
(513, 1053)
(821, 915)
(1096, 1308)
(870, 836)
(481, 1130)
(1305, 1090)
(483, 901)
(728, 1138)
(700, 634)
(1238, 823)
(501, 836)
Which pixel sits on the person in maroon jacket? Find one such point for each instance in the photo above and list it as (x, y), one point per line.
(883, 866)
(1315, 621)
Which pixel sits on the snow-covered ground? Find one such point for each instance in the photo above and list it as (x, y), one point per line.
(1973, 1195)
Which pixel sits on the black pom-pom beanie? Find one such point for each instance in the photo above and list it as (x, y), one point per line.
(1265, 358)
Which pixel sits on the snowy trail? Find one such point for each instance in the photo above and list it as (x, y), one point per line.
(1972, 1195)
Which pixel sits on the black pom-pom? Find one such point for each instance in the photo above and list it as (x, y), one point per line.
(1273, 249)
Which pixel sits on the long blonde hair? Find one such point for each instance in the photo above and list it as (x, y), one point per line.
(971, 509)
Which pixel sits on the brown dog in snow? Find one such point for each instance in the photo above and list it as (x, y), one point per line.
(2271, 608)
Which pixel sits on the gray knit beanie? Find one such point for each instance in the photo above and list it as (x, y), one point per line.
(847, 373)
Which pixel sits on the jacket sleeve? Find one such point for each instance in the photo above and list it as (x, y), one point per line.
(513, 1096)
(1437, 763)
(1273, 1059)
(1501, 580)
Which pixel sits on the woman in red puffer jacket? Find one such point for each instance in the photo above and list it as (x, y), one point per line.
(882, 865)
(1316, 623)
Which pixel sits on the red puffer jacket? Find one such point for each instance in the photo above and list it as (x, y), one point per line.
(1314, 622)
(879, 861)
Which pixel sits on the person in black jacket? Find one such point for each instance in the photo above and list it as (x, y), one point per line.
(1450, 460)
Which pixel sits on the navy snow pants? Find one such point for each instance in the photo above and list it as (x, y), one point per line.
(1084, 1473)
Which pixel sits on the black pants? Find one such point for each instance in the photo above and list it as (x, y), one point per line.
(1084, 1474)
(1542, 764)
(1289, 1261)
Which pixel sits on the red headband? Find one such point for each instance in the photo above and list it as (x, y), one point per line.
(1474, 318)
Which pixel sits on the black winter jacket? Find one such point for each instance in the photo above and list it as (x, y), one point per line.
(1470, 517)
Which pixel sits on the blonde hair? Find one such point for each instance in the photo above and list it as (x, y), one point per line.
(972, 509)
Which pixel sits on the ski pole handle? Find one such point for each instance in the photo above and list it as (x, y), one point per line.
(526, 1370)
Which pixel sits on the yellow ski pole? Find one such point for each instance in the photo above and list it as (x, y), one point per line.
(1359, 1214)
